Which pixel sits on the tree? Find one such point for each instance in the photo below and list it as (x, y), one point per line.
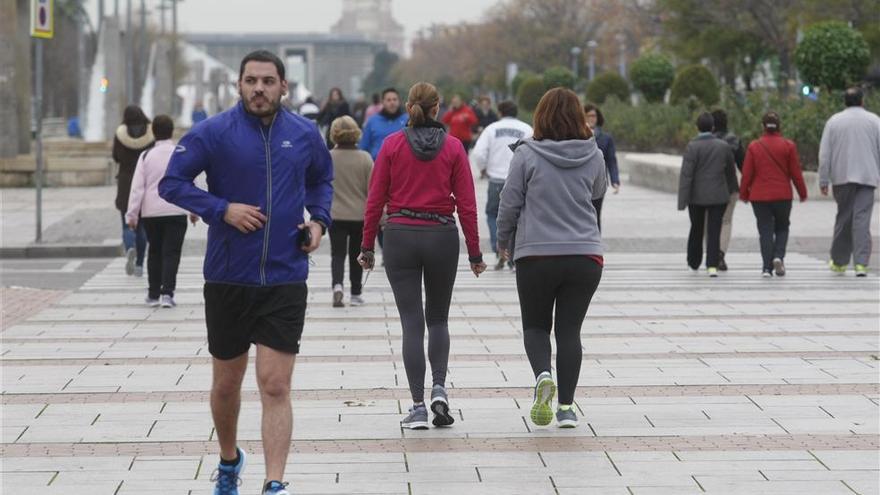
(520, 77)
(698, 82)
(558, 76)
(530, 92)
(380, 77)
(607, 85)
(652, 74)
(832, 55)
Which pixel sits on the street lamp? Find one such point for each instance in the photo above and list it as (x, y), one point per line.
(621, 38)
(591, 45)
(575, 56)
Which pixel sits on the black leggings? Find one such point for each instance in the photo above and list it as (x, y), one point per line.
(568, 283)
(165, 236)
(410, 253)
(709, 217)
(345, 241)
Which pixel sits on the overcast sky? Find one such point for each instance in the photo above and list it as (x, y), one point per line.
(299, 15)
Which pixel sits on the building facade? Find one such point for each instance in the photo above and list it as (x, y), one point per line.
(373, 20)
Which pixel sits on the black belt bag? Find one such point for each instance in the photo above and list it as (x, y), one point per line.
(422, 215)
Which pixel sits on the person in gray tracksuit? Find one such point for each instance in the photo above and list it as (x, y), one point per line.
(849, 160)
(708, 178)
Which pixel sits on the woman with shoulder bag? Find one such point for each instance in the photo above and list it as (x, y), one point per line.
(771, 166)
(422, 175)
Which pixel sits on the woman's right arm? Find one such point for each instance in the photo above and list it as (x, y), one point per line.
(513, 198)
(377, 198)
(748, 175)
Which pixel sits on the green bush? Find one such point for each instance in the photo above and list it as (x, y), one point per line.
(695, 82)
(518, 80)
(652, 74)
(530, 92)
(607, 85)
(559, 77)
(650, 127)
(832, 55)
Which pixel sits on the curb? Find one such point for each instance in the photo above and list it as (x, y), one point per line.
(60, 251)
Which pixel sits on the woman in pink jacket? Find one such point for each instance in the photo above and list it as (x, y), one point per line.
(164, 223)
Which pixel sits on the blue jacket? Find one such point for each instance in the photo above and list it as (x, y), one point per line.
(284, 169)
(377, 129)
(606, 144)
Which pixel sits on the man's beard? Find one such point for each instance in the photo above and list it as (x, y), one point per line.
(269, 107)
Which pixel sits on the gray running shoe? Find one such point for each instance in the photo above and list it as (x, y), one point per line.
(545, 389)
(779, 267)
(138, 271)
(167, 301)
(440, 407)
(357, 300)
(566, 418)
(337, 296)
(417, 419)
(130, 258)
(153, 303)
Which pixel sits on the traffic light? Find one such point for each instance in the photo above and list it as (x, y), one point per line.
(806, 90)
(105, 85)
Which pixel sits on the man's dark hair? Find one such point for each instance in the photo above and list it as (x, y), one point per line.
(508, 108)
(854, 97)
(705, 122)
(376, 99)
(389, 90)
(720, 117)
(600, 119)
(771, 122)
(262, 56)
(163, 127)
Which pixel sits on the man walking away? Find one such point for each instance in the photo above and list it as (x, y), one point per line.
(264, 167)
(492, 155)
(849, 161)
(707, 180)
(739, 156)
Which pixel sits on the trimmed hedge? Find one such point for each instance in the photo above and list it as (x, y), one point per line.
(530, 92)
(606, 85)
(559, 77)
(695, 82)
(652, 74)
(832, 55)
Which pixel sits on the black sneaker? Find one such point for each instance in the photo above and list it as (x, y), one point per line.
(440, 407)
(722, 265)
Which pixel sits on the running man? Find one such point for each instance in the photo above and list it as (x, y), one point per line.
(264, 166)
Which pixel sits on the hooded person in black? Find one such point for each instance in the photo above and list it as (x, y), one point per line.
(132, 138)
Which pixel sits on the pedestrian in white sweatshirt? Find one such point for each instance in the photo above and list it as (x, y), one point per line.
(492, 154)
(164, 223)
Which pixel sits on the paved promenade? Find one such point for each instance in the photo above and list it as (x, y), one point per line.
(689, 385)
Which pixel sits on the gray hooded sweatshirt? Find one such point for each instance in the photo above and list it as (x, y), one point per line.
(546, 203)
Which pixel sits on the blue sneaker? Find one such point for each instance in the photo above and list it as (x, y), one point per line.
(275, 488)
(227, 478)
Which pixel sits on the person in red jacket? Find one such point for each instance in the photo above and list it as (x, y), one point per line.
(460, 119)
(771, 166)
(422, 176)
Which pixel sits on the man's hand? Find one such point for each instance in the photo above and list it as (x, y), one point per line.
(316, 231)
(245, 218)
(824, 190)
(504, 254)
(484, 174)
(133, 224)
(193, 218)
(478, 268)
(616, 188)
(367, 260)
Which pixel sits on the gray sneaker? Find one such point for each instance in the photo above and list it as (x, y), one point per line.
(440, 407)
(566, 418)
(167, 301)
(541, 413)
(417, 419)
(139, 271)
(130, 259)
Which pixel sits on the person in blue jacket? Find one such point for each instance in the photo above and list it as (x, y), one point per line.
(391, 119)
(264, 167)
(605, 142)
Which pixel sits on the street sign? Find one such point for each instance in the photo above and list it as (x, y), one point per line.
(42, 19)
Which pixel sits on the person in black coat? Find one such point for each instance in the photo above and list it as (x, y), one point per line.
(334, 107)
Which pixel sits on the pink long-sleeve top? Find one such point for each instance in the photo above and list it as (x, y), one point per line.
(144, 200)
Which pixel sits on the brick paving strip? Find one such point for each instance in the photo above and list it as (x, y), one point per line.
(18, 303)
(202, 360)
(463, 393)
(511, 444)
(396, 337)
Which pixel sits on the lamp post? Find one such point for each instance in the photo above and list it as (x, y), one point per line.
(575, 56)
(621, 39)
(591, 45)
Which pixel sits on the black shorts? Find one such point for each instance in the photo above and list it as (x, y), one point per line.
(237, 315)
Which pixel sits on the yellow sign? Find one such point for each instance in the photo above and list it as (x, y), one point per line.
(42, 19)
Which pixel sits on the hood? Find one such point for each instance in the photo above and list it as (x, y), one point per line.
(564, 154)
(426, 141)
(133, 143)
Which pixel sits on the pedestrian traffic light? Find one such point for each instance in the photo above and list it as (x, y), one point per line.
(806, 90)
(105, 85)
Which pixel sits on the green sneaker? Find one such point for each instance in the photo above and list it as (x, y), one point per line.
(838, 269)
(545, 389)
(566, 417)
(861, 271)
(713, 272)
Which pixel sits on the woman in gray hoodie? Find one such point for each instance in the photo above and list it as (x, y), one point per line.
(547, 209)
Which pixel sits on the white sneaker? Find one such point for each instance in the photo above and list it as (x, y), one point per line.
(130, 258)
(167, 301)
(337, 296)
(357, 300)
(153, 303)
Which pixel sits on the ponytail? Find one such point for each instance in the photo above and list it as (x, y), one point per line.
(423, 97)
